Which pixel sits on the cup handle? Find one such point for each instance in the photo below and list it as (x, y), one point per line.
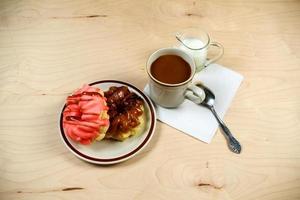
(217, 57)
(195, 93)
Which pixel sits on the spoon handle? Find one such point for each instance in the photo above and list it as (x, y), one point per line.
(233, 144)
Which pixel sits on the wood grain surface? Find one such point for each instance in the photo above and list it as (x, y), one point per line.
(49, 48)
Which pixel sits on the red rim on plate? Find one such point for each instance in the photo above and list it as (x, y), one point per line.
(123, 157)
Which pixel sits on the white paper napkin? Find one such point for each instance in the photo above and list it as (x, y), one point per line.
(194, 119)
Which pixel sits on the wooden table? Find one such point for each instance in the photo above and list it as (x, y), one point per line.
(47, 49)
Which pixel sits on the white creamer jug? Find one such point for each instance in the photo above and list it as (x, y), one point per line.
(197, 43)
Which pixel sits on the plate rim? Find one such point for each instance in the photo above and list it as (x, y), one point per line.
(121, 158)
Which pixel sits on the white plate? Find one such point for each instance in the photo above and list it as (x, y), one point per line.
(108, 151)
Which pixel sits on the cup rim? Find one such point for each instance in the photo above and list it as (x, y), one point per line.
(168, 84)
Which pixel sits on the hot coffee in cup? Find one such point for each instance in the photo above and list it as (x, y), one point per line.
(171, 71)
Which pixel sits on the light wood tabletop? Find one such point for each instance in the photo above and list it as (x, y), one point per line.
(49, 48)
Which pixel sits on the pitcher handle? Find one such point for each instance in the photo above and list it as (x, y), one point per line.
(218, 56)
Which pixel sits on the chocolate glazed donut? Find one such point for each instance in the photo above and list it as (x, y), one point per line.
(125, 107)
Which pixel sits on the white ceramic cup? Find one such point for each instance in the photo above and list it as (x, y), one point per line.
(172, 95)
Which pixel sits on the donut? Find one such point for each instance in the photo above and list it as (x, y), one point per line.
(126, 113)
(85, 116)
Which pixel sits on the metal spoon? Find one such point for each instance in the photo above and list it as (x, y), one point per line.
(208, 102)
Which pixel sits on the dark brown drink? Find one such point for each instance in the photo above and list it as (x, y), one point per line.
(170, 69)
